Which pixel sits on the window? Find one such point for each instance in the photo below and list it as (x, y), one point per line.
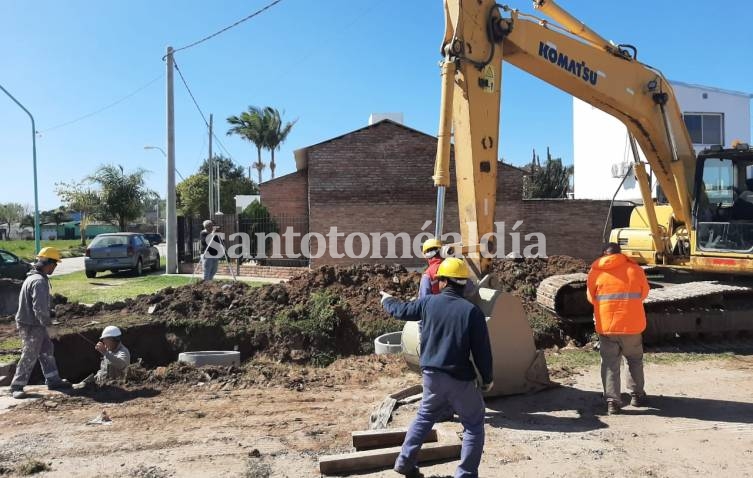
(705, 128)
(719, 178)
(7, 258)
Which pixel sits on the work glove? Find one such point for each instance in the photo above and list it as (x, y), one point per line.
(485, 387)
(384, 295)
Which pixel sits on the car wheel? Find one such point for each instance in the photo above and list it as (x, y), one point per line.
(91, 274)
(139, 268)
(155, 266)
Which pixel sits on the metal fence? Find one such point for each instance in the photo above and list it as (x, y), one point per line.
(277, 249)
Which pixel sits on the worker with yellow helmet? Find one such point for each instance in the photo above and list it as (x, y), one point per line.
(431, 250)
(454, 330)
(32, 319)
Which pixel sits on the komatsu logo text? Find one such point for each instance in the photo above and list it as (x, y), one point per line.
(577, 68)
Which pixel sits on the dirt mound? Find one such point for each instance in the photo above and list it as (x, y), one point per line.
(315, 317)
(521, 277)
(329, 312)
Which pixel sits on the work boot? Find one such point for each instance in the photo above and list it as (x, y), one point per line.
(613, 407)
(411, 473)
(59, 384)
(638, 400)
(17, 392)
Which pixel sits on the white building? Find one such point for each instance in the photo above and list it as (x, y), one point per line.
(601, 151)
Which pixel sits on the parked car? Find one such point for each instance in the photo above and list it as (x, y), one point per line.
(13, 267)
(154, 238)
(120, 251)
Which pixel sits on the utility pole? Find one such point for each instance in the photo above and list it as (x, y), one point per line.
(171, 221)
(211, 172)
(219, 203)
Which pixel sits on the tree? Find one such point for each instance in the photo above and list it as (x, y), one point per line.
(55, 216)
(276, 134)
(252, 125)
(552, 180)
(11, 212)
(80, 197)
(258, 220)
(193, 193)
(122, 195)
(27, 221)
(228, 168)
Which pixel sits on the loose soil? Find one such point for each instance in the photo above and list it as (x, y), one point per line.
(182, 422)
(314, 318)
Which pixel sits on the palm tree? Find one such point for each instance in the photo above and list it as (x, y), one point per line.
(121, 195)
(252, 126)
(276, 134)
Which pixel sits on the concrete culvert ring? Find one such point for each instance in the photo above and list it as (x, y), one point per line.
(388, 343)
(210, 357)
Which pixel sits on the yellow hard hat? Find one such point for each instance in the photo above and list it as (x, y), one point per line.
(432, 243)
(51, 253)
(453, 268)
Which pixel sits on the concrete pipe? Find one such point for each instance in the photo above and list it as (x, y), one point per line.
(211, 357)
(388, 343)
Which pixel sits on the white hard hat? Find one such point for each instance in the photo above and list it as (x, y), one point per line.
(110, 332)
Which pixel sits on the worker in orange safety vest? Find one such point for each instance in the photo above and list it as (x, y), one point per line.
(617, 287)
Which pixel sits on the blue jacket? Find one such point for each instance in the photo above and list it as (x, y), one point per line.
(454, 329)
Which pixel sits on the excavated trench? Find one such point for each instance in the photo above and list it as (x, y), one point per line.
(152, 344)
(312, 319)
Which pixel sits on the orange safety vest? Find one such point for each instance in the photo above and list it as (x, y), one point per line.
(617, 287)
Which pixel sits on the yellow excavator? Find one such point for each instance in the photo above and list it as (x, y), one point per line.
(692, 228)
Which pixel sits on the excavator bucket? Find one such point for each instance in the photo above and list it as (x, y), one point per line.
(9, 290)
(518, 366)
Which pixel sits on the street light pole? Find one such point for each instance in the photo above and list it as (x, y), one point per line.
(34, 156)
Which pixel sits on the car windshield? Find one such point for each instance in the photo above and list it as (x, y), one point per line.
(109, 241)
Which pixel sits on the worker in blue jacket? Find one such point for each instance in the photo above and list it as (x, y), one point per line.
(454, 330)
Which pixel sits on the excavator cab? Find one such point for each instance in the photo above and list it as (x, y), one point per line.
(723, 210)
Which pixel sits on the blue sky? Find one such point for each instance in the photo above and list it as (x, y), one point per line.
(328, 63)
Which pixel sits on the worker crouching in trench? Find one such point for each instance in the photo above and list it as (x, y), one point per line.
(115, 358)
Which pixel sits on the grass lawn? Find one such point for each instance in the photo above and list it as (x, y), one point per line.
(111, 287)
(25, 249)
(580, 359)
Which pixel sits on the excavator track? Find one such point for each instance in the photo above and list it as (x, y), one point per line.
(702, 308)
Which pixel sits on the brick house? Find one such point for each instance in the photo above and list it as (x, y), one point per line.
(377, 179)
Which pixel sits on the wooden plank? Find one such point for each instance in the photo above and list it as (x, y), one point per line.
(370, 439)
(381, 416)
(407, 392)
(383, 458)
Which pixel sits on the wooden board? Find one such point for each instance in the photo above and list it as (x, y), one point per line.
(381, 416)
(407, 392)
(370, 439)
(383, 458)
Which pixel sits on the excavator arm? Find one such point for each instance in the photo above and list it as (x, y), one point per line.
(479, 36)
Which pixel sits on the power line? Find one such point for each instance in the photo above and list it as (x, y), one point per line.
(275, 2)
(190, 93)
(221, 145)
(89, 115)
(196, 103)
